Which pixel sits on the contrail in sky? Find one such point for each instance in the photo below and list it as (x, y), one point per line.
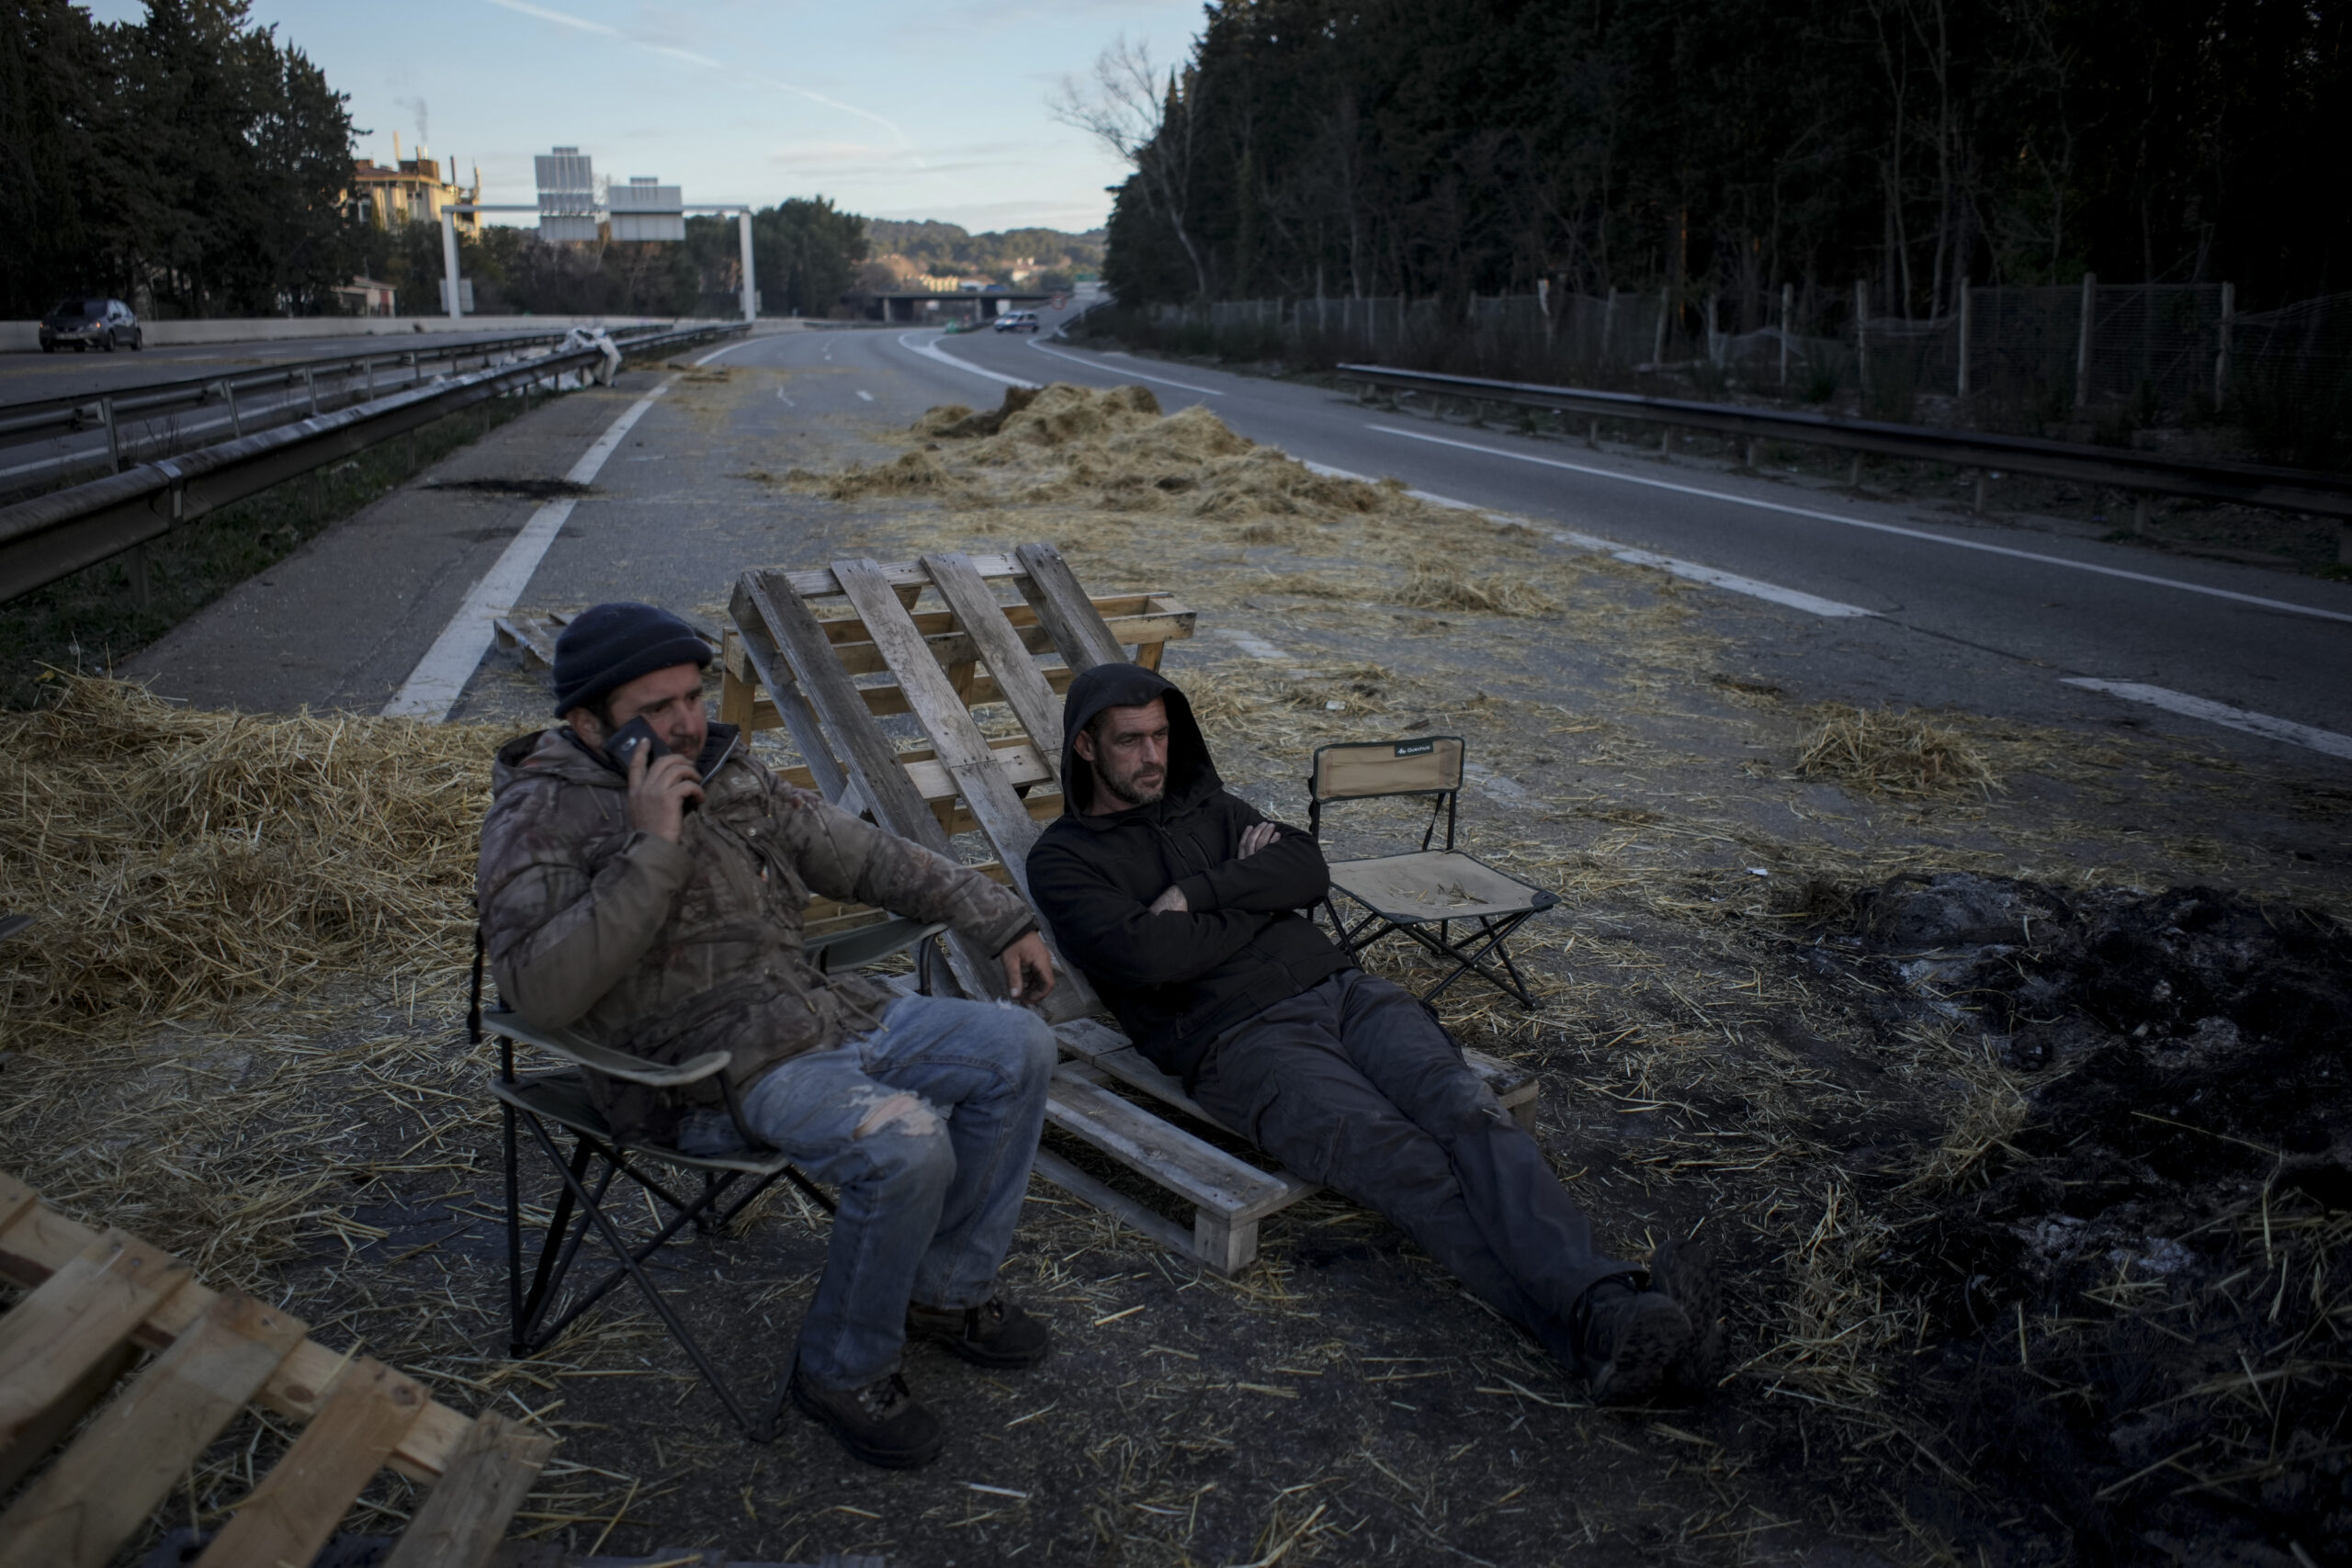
(583, 24)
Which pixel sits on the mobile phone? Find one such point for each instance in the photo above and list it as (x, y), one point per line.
(622, 744)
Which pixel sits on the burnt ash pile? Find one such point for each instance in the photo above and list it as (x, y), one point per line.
(2140, 1299)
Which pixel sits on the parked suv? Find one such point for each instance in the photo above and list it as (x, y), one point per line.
(1017, 321)
(89, 319)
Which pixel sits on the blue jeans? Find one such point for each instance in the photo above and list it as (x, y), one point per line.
(926, 1126)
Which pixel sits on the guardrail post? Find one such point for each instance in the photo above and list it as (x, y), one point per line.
(1787, 302)
(229, 396)
(2140, 512)
(1964, 292)
(1979, 507)
(1854, 474)
(2083, 341)
(1861, 347)
(114, 439)
(2221, 345)
(1592, 434)
(310, 390)
(1666, 445)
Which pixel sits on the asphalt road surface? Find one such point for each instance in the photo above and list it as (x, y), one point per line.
(1861, 600)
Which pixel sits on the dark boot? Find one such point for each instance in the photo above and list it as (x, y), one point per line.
(881, 1424)
(995, 1334)
(1684, 1271)
(1629, 1341)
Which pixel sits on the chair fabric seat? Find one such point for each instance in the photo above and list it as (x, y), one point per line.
(1435, 884)
(563, 1098)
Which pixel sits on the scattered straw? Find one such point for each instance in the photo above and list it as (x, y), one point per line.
(1887, 752)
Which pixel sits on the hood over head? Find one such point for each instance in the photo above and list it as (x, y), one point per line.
(1190, 772)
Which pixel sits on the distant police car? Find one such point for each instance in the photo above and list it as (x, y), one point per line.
(1017, 321)
(86, 319)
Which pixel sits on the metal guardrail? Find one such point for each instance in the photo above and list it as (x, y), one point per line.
(2141, 474)
(328, 381)
(52, 536)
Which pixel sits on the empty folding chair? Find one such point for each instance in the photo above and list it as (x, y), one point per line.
(1426, 893)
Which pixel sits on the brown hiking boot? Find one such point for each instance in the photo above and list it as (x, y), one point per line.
(1630, 1341)
(995, 1334)
(1684, 1272)
(881, 1424)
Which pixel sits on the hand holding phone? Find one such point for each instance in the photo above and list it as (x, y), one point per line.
(662, 785)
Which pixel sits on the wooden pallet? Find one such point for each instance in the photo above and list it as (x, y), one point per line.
(97, 1303)
(828, 653)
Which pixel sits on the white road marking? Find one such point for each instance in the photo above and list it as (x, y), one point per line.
(2261, 724)
(1077, 360)
(440, 677)
(1772, 592)
(1255, 646)
(866, 395)
(787, 402)
(2287, 606)
(932, 350)
(744, 343)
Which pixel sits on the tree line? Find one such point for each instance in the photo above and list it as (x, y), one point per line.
(193, 161)
(190, 151)
(1724, 147)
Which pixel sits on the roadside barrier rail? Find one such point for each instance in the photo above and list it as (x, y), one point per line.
(2139, 474)
(315, 384)
(52, 536)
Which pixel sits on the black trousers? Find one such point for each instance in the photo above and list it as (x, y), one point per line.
(1353, 1084)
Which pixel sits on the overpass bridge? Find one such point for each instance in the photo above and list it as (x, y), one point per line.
(921, 307)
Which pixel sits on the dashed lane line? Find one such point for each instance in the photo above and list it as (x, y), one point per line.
(2288, 606)
(433, 686)
(2262, 724)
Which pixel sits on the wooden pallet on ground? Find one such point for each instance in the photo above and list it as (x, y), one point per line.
(828, 653)
(98, 1301)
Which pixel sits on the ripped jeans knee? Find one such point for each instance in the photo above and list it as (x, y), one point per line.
(898, 1111)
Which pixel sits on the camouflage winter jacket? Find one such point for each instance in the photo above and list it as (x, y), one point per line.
(667, 951)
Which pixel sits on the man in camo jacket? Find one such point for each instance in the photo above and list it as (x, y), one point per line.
(657, 908)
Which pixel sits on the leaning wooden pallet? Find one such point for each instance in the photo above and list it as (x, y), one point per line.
(97, 1301)
(827, 653)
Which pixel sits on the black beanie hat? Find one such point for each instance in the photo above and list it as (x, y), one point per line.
(608, 646)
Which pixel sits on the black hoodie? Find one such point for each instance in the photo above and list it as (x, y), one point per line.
(1176, 981)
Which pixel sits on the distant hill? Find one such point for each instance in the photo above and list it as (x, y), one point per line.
(946, 248)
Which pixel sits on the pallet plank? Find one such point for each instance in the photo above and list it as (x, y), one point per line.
(296, 1507)
(463, 1518)
(73, 1321)
(1025, 692)
(961, 748)
(39, 1241)
(1200, 1173)
(99, 1494)
(873, 764)
(1065, 609)
(760, 646)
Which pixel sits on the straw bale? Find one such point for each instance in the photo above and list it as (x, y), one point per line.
(182, 860)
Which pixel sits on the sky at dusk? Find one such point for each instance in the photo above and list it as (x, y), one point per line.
(891, 109)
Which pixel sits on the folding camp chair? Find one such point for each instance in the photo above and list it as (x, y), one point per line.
(1412, 893)
(545, 1104)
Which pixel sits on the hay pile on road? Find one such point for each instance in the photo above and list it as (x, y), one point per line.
(179, 861)
(1900, 754)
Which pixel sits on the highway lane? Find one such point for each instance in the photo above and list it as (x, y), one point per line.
(2057, 604)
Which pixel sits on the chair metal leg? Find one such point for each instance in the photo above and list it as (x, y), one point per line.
(548, 1272)
(653, 1297)
(514, 1239)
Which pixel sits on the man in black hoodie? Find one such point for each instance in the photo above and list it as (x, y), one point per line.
(1182, 905)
